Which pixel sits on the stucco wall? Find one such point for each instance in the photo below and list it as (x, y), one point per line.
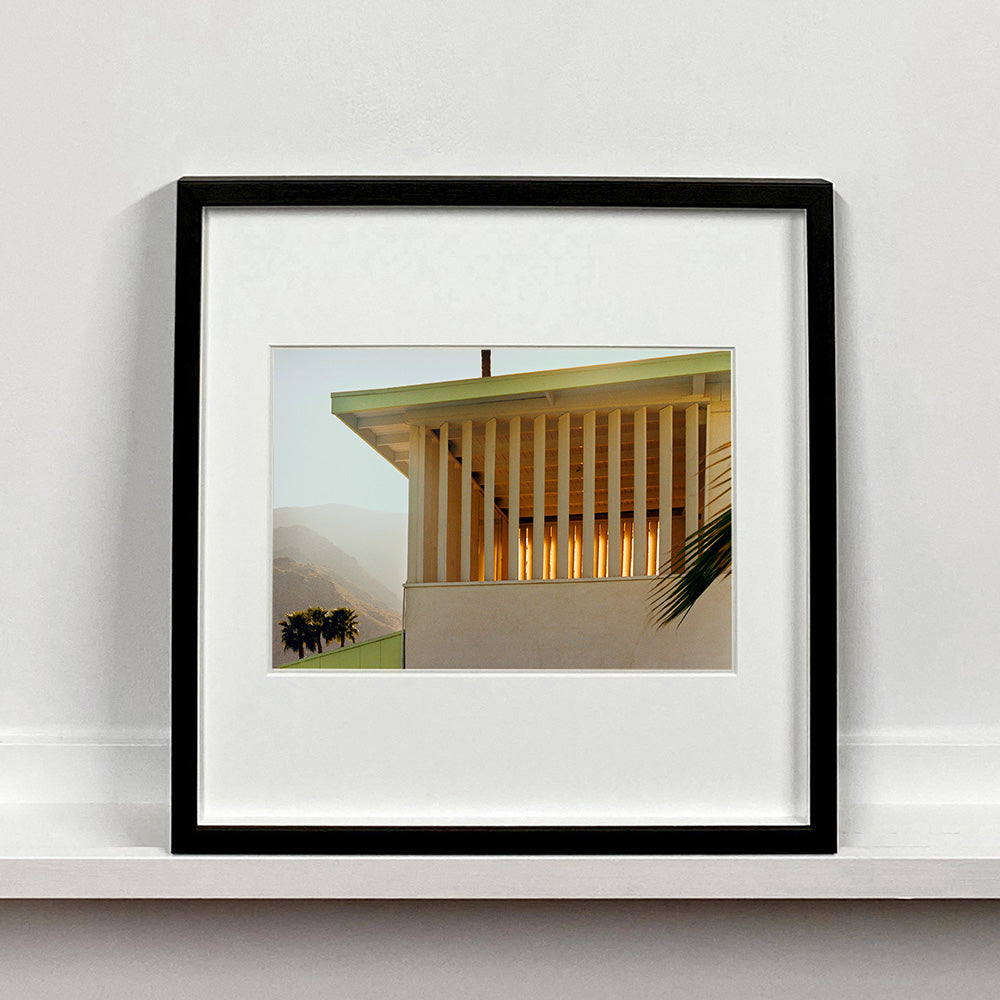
(560, 624)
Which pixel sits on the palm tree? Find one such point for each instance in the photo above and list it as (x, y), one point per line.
(295, 632)
(341, 624)
(705, 556)
(350, 628)
(331, 626)
(316, 618)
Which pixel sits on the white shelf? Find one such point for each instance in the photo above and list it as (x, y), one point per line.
(119, 851)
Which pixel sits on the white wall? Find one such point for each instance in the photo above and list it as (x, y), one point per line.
(561, 624)
(105, 105)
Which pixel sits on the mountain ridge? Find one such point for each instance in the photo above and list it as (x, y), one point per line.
(375, 539)
(297, 586)
(306, 546)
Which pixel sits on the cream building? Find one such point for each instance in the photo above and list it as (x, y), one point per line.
(541, 504)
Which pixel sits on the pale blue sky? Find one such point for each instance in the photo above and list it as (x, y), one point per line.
(317, 460)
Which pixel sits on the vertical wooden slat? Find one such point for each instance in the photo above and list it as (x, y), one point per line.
(615, 493)
(501, 549)
(718, 459)
(454, 518)
(709, 470)
(489, 491)
(431, 455)
(478, 549)
(639, 493)
(709, 445)
(538, 502)
(515, 555)
(546, 553)
(442, 527)
(589, 488)
(562, 501)
(666, 485)
(691, 461)
(465, 566)
(415, 536)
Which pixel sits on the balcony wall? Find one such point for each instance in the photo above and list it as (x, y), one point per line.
(560, 625)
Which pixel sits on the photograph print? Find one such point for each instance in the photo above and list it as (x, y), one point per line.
(480, 509)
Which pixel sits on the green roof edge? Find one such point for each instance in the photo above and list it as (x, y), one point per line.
(340, 649)
(527, 383)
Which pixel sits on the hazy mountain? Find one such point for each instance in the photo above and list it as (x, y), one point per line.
(297, 586)
(307, 546)
(375, 538)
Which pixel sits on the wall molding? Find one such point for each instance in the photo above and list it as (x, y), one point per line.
(134, 766)
(83, 768)
(920, 769)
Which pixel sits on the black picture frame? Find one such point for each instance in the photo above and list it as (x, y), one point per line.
(815, 199)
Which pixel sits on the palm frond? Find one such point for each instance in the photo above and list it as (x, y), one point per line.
(705, 556)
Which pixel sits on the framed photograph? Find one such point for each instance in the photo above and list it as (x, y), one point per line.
(504, 517)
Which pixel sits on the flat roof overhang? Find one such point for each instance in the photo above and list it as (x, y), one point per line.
(383, 417)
